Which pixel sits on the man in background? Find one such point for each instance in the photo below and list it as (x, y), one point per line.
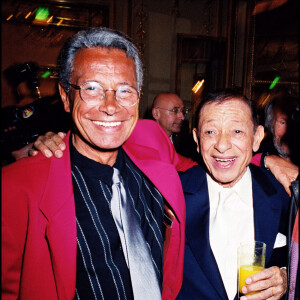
(168, 110)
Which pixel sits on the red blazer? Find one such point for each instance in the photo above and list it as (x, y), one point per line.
(38, 218)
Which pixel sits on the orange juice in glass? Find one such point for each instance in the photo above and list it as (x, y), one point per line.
(251, 260)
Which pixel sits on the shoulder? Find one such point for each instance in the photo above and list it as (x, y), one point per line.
(31, 168)
(193, 179)
(26, 169)
(266, 179)
(196, 170)
(149, 141)
(33, 172)
(24, 182)
(263, 179)
(148, 131)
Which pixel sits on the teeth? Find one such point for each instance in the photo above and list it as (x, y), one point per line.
(107, 124)
(225, 160)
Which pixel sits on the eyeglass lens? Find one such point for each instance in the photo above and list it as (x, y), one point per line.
(176, 110)
(93, 92)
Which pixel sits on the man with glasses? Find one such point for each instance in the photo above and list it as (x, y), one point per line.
(168, 110)
(106, 221)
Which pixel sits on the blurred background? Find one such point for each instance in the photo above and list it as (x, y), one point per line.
(187, 46)
(228, 43)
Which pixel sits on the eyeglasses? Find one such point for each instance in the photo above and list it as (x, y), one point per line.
(93, 93)
(176, 110)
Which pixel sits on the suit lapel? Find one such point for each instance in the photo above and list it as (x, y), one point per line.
(162, 174)
(197, 224)
(58, 206)
(197, 232)
(266, 209)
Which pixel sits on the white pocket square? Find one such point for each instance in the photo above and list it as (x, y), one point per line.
(280, 240)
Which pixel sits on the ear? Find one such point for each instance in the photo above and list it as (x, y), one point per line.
(258, 136)
(64, 97)
(196, 139)
(155, 113)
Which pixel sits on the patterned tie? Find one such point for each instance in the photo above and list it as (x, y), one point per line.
(144, 279)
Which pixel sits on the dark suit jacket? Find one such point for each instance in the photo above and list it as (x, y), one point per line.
(201, 277)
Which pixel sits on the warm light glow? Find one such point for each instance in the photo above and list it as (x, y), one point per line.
(265, 101)
(50, 19)
(9, 17)
(197, 86)
(28, 15)
(60, 21)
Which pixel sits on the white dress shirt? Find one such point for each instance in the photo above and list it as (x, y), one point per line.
(231, 222)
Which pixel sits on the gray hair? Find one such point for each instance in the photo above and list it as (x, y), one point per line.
(97, 37)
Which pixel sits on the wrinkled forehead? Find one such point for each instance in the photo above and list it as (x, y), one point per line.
(227, 108)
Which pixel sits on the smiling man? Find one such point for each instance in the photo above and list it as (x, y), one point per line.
(107, 220)
(231, 202)
(168, 110)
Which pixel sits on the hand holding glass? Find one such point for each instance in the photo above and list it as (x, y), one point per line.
(251, 260)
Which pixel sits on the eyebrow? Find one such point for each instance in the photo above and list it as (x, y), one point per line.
(212, 120)
(124, 83)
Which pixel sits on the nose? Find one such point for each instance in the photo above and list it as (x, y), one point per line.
(223, 142)
(109, 104)
(180, 115)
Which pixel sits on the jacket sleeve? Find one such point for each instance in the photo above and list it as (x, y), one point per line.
(22, 182)
(14, 227)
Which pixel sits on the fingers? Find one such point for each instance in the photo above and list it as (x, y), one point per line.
(284, 170)
(49, 144)
(32, 151)
(284, 178)
(286, 182)
(62, 135)
(270, 283)
(293, 175)
(23, 152)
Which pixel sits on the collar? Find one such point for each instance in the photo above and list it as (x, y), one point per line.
(243, 188)
(95, 169)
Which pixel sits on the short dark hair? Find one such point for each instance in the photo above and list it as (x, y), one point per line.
(221, 96)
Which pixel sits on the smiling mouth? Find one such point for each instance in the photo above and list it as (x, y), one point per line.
(225, 161)
(107, 124)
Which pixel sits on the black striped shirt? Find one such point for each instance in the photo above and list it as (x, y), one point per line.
(102, 272)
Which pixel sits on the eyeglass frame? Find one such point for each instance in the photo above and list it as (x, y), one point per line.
(79, 87)
(176, 110)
